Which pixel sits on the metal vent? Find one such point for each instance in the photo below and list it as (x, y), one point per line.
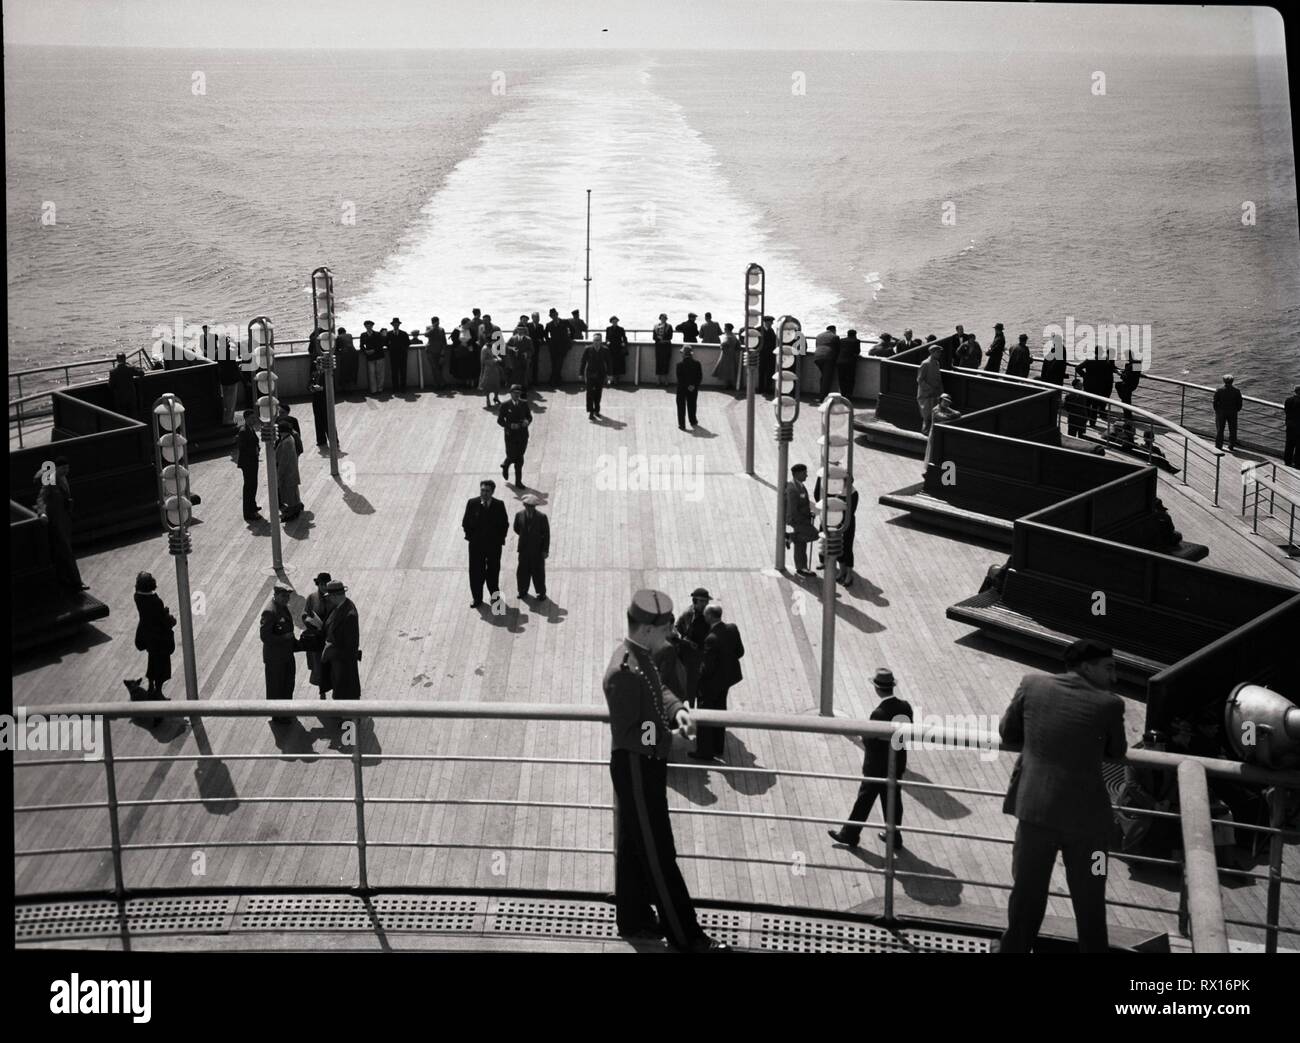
(800, 934)
(304, 913)
(932, 941)
(732, 928)
(559, 919)
(199, 915)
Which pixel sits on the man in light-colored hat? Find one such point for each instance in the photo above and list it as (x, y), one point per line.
(644, 713)
(534, 531)
(929, 386)
(875, 766)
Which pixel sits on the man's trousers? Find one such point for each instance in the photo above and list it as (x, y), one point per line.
(484, 567)
(1032, 861)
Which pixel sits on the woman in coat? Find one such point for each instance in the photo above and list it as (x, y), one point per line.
(489, 381)
(616, 338)
(286, 472)
(663, 337)
(155, 633)
(725, 368)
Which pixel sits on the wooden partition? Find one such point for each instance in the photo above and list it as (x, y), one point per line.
(1005, 409)
(896, 403)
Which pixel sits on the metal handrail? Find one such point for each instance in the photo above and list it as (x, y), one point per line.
(926, 734)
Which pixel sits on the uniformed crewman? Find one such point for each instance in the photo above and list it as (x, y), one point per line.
(515, 416)
(278, 647)
(643, 715)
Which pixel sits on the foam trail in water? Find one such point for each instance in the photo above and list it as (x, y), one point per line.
(507, 231)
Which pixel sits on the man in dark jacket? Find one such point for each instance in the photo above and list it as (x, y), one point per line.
(537, 334)
(1291, 410)
(1098, 375)
(846, 363)
(689, 331)
(1065, 724)
(342, 643)
(593, 371)
(997, 348)
(246, 460)
(826, 352)
(691, 629)
(399, 343)
(875, 767)
(1227, 404)
(278, 647)
(689, 375)
(312, 640)
(616, 340)
(1020, 359)
(719, 670)
(54, 504)
(514, 418)
(534, 531)
(710, 331)
(486, 525)
(767, 357)
(121, 385)
(576, 324)
(559, 338)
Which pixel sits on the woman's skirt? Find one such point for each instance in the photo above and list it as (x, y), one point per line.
(160, 665)
(663, 355)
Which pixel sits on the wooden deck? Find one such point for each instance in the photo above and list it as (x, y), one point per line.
(391, 530)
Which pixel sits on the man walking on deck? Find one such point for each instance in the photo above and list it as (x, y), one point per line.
(485, 525)
(644, 714)
(514, 417)
(719, 671)
(246, 458)
(534, 531)
(1227, 404)
(875, 768)
(1066, 724)
(593, 371)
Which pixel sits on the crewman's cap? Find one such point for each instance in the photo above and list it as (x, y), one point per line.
(368, 322)
(700, 592)
(335, 586)
(650, 606)
(884, 679)
(516, 387)
(690, 314)
(531, 500)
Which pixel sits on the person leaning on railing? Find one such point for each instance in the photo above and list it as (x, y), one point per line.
(1291, 409)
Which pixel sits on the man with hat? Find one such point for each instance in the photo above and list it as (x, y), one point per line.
(1227, 404)
(537, 334)
(248, 451)
(616, 339)
(690, 630)
(121, 385)
(662, 334)
(372, 350)
(885, 346)
(435, 349)
(1020, 359)
(514, 417)
(312, 640)
(485, 525)
(689, 331)
(997, 348)
(719, 670)
(689, 375)
(929, 385)
(342, 642)
(593, 370)
(799, 518)
(643, 716)
(826, 356)
(278, 647)
(875, 767)
(767, 356)
(1066, 725)
(534, 531)
(399, 343)
(577, 325)
(559, 338)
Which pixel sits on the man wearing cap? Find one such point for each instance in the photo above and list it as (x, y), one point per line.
(537, 334)
(929, 386)
(846, 363)
(121, 385)
(643, 715)
(875, 767)
(1055, 365)
(719, 670)
(800, 529)
(534, 531)
(1227, 404)
(710, 331)
(1065, 724)
(435, 348)
(278, 647)
(399, 343)
(997, 348)
(826, 353)
(593, 371)
(514, 418)
(689, 375)
(342, 642)
(767, 356)
(246, 458)
(689, 331)
(690, 630)
(559, 338)
(577, 325)
(662, 335)
(885, 346)
(312, 640)
(1020, 359)
(485, 525)
(1098, 375)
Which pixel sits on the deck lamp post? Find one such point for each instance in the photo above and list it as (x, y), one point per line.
(836, 471)
(755, 302)
(322, 301)
(171, 461)
(261, 338)
(786, 405)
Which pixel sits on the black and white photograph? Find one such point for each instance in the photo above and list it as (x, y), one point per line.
(551, 477)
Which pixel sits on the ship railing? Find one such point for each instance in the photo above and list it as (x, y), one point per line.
(1199, 912)
(34, 405)
(1269, 498)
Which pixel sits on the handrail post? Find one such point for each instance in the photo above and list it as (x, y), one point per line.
(1272, 493)
(1218, 460)
(1184, 459)
(114, 828)
(1290, 536)
(359, 796)
(1276, 811)
(1205, 903)
(1182, 405)
(891, 830)
(1254, 528)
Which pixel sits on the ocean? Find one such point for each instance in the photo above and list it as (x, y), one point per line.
(878, 190)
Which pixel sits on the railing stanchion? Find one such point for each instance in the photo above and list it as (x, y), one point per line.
(1184, 459)
(1204, 900)
(1182, 405)
(1218, 460)
(1254, 527)
(114, 828)
(359, 795)
(1276, 813)
(1272, 492)
(891, 830)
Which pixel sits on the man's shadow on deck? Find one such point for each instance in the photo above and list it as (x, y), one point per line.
(852, 615)
(936, 885)
(352, 499)
(297, 742)
(747, 783)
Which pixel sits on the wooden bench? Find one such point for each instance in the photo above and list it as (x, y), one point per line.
(48, 615)
(965, 516)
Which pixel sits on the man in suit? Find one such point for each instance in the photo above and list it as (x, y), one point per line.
(691, 630)
(54, 504)
(826, 352)
(1020, 359)
(719, 670)
(537, 334)
(875, 767)
(689, 375)
(278, 647)
(929, 386)
(1227, 404)
(644, 714)
(515, 417)
(312, 640)
(689, 331)
(846, 363)
(246, 459)
(767, 356)
(799, 518)
(534, 531)
(1291, 410)
(593, 371)
(1098, 379)
(559, 338)
(997, 348)
(616, 341)
(1065, 725)
(399, 344)
(342, 649)
(486, 525)
(435, 348)
(121, 385)
(710, 331)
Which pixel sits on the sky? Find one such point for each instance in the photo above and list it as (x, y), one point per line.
(861, 25)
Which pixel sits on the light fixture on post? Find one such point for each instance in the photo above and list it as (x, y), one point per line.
(261, 338)
(755, 302)
(786, 404)
(322, 302)
(836, 507)
(171, 461)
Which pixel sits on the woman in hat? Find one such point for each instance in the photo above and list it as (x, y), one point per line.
(490, 371)
(155, 633)
(286, 466)
(663, 338)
